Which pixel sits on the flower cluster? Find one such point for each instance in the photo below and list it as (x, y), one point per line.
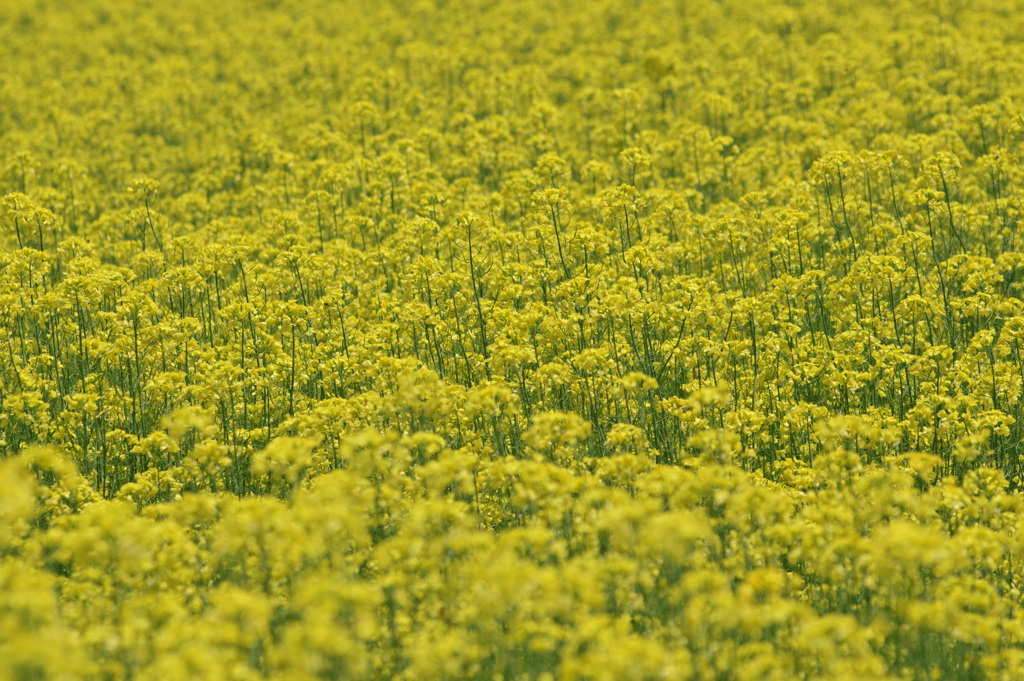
(511, 340)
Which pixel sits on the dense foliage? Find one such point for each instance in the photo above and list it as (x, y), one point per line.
(511, 340)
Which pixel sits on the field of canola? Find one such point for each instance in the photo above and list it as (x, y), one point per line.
(475, 339)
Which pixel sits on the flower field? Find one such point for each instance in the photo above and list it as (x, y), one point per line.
(488, 340)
